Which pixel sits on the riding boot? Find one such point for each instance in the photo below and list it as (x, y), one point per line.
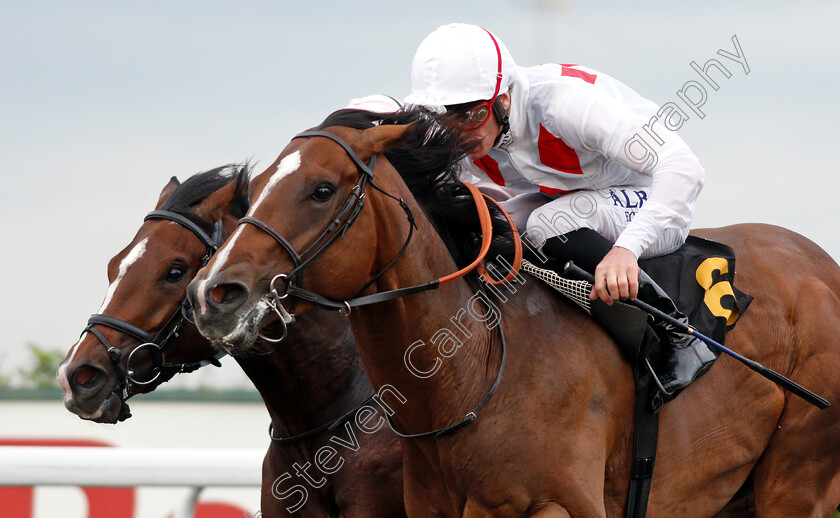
(688, 357)
(627, 325)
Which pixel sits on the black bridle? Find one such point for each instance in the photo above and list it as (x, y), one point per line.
(159, 343)
(337, 228)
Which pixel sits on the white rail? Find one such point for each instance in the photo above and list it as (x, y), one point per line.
(128, 467)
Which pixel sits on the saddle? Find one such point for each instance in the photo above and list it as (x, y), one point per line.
(699, 279)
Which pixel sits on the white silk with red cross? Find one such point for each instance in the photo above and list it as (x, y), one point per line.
(577, 130)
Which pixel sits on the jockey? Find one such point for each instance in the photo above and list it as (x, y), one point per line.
(595, 176)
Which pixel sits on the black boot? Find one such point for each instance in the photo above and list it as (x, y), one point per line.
(687, 356)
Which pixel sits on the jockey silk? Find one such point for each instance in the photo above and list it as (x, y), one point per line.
(573, 128)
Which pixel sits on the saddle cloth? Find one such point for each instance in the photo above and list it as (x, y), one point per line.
(699, 278)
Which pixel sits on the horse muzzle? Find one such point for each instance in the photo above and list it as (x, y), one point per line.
(223, 314)
(89, 392)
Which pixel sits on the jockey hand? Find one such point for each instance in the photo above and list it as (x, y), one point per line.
(616, 276)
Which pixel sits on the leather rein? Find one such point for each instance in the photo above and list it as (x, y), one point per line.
(338, 228)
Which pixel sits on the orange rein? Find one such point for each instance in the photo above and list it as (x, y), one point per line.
(486, 239)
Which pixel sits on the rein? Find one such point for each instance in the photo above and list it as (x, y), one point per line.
(472, 415)
(157, 344)
(330, 426)
(341, 223)
(337, 228)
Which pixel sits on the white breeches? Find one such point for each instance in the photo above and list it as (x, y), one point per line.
(606, 211)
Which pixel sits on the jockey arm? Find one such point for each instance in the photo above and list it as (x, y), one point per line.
(619, 132)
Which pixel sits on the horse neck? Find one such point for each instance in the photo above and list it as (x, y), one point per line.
(384, 331)
(312, 377)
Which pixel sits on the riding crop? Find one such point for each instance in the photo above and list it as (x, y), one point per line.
(792, 386)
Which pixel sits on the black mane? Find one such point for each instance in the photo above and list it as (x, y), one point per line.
(201, 185)
(428, 162)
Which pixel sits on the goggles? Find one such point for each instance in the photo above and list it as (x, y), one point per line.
(471, 118)
(475, 117)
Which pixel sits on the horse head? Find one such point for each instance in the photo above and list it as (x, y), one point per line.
(141, 335)
(320, 183)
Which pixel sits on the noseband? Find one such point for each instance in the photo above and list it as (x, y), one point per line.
(341, 223)
(337, 228)
(160, 342)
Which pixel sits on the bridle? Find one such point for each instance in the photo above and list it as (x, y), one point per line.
(342, 222)
(159, 343)
(337, 228)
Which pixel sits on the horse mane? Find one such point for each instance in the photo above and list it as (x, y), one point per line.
(428, 160)
(199, 186)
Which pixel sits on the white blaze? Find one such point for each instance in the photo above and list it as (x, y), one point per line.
(287, 166)
(132, 257)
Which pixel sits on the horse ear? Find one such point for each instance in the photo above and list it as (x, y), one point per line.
(167, 191)
(214, 207)
(381, 138)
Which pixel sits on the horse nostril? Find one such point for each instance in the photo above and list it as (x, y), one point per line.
(230, 295)
(83, 375)
(86, 376)
(219, 292)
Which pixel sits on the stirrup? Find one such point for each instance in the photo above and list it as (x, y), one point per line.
(661, 395)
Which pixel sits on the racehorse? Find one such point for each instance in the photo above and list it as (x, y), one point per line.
(555, 437)
(301, 391)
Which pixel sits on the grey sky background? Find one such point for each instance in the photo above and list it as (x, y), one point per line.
(101, 102)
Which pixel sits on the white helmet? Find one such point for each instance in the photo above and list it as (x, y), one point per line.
(459, 63)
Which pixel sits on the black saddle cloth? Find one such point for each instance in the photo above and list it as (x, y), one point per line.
(700, 279)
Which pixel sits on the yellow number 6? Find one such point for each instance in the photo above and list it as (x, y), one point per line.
(716, 292)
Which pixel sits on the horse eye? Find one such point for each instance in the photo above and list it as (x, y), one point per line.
(323, 192)
(175, 274)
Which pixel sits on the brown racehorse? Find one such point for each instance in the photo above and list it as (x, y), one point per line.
(313, 378)
(555, 438)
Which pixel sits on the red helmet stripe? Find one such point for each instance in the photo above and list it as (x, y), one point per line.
(499, 73)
